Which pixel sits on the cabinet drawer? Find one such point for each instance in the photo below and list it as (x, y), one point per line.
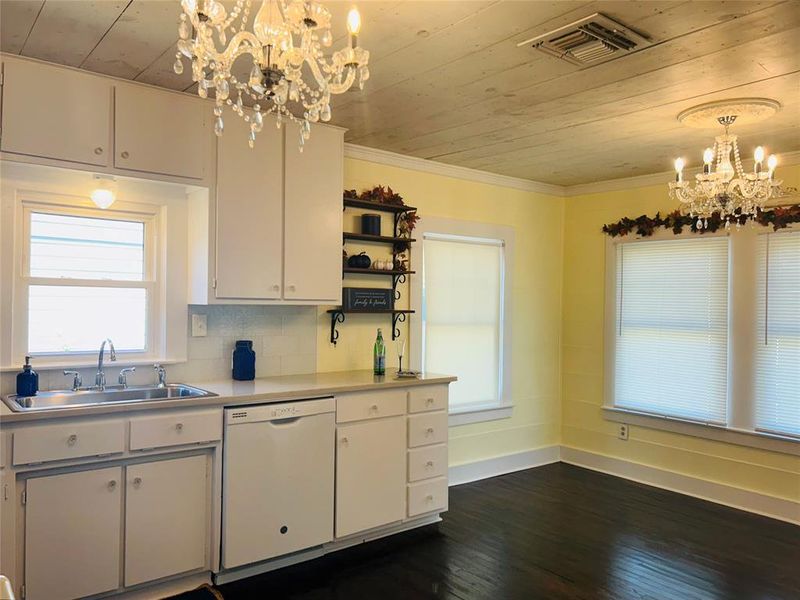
(175, 429)
(425, 398)
(427, 496)
(68, 440)
(427, 428)
(427, 462)
(370, 405)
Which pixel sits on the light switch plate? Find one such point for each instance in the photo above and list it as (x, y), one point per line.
(199, 325)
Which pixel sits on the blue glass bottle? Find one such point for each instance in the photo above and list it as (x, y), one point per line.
(244, 361)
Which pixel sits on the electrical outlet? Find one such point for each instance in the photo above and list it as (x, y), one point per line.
(622, 431)
(199, 325)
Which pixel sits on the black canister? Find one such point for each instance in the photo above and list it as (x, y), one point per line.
(27, 380)
(244, 361)
(371, 224)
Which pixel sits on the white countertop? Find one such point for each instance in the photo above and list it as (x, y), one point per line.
(232, 393)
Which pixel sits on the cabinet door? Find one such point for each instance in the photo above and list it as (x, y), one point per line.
(249, 212)
(313, 215)
(370, 474)
(166, 518)
(73, 525)
(160, 132)
(55, 113)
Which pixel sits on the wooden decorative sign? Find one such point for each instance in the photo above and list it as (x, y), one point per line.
(367, 299)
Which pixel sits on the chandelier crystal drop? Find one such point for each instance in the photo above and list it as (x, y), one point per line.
(723, 186)
(289, 73)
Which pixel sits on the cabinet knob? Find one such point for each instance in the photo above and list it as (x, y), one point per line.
(98, 150)
(72, 440)
(429, 430)
(276, 287)
(112, 485)
(429, 401)
(291, 287)
(429, 464)
(429, 498)
(124, 154)
(374, 408)
(345, 441)
(137, 481)
(179, 427)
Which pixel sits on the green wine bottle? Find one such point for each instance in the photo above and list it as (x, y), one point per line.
(379, 355)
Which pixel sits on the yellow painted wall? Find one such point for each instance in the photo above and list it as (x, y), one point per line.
(536, 301)
(583, 426)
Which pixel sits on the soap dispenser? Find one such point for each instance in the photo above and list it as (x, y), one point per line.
(27, 380)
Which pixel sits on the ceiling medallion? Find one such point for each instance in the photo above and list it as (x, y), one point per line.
(725, 187)
(289, 76)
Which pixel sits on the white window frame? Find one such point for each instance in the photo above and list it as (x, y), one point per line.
(742, 337)
(441, 228)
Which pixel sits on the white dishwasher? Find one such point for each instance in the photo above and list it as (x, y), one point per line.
(278, 472)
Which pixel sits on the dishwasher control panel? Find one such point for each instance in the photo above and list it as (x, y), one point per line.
(279, 410)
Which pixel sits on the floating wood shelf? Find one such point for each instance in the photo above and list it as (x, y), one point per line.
(394, 208)
(375, 271)
(378, 239)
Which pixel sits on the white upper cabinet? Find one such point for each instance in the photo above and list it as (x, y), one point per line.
(56, 113)
(160, 132)
(313, 215)
(249, 212)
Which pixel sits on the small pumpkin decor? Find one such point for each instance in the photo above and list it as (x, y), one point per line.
(359, 261)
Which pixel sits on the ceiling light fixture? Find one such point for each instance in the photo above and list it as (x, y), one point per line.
(289, 76)
(105, 193)
(726, 188)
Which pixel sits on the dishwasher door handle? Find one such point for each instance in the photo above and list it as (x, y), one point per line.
(284, 422)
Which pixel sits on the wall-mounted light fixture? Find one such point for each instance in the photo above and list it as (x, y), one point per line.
(105, 191)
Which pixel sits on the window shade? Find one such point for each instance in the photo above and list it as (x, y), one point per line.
(778, 349)
(462, 315)
(672, 328)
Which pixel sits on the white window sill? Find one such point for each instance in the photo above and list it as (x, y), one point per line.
(467, 415)
(741, 437)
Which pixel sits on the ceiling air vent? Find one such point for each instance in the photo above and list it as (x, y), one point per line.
(590, 41)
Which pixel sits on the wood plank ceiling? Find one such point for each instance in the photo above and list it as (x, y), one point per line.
(450, 84)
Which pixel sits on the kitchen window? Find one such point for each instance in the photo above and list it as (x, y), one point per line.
(84, 275)
(703, 335)
(463, 324)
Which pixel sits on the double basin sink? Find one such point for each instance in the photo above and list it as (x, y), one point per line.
(110, 395)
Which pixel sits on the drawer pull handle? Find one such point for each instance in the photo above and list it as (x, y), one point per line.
(72, 440)
(112, 485)
(429, 431)
(137, 481)
(179, 427)
(125, 154)
(98, 150)
(429, 464)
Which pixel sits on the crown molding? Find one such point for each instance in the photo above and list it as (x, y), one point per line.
(652, 179)
(425, 165)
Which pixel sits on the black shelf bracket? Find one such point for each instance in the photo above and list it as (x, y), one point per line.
(396, 280)
(336, 317)
(397, 318)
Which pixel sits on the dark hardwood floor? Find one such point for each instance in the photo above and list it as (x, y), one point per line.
(558, 532)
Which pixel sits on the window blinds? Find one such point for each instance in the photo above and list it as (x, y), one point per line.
(778, 344)
(462, 315)
(672, 328)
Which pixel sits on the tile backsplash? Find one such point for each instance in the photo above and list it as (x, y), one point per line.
(284, 339)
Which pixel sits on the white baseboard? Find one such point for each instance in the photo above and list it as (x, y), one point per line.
(500, 465)
(769, 506)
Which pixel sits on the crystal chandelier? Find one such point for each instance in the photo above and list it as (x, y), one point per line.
(725, 187)
(289, 74)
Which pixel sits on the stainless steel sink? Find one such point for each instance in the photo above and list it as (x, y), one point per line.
(110, 395)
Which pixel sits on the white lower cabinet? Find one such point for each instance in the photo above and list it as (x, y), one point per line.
(166, 518)
(370, 474)
(73, 529)
(74, 543)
